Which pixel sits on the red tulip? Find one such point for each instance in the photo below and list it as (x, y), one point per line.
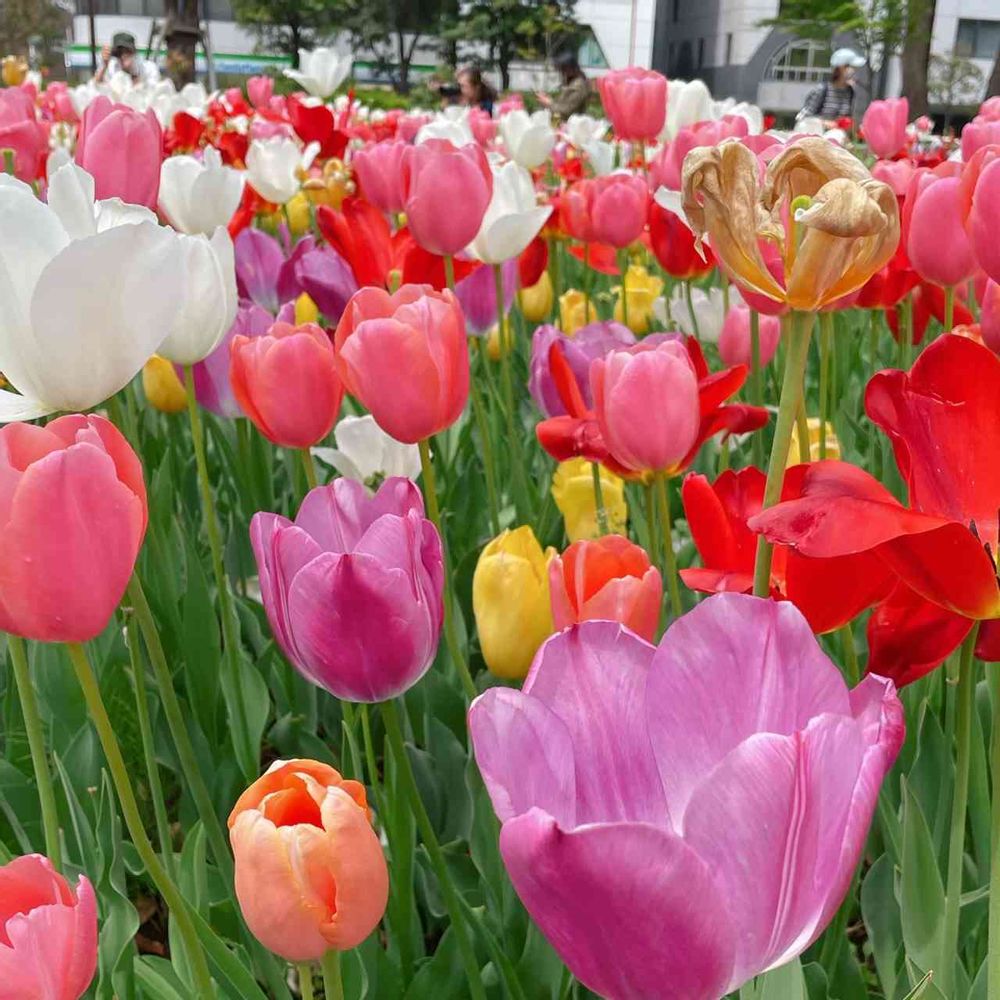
(672, 243)
(635, 101)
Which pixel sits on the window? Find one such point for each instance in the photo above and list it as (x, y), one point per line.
(729, 49)
(676, 10)
(800, 62)
(590, 55)
(671, 53)
(977, 39)
(701, 52)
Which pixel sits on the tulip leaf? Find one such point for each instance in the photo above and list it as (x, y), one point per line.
(881, 916)
(158, 979)
(784, 983)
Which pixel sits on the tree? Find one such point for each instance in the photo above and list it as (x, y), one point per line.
(993, 85)
(917, 54)
(40, 21)
(953, 81)
(289, 25)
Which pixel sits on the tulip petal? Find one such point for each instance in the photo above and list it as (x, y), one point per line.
(71, 197)
(14, 407)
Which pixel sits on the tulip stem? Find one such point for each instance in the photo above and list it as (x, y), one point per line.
(305, 980)
(756, 384)
(799, 335)
(479, 412)
(623, 269)
(246, 754)
(586, 284)
(36, 746)
(965, 698)
(366, 733)
(333, 983)
(602, 511)
(133, 819)
(689, 302)
(449, 271)
(450, 895)
(825, 345)
(555, 276)
(434, 512)
(669, 559)
(309, 467)
(851, 665)
(949, 307)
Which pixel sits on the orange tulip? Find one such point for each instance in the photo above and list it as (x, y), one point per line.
(310, 872)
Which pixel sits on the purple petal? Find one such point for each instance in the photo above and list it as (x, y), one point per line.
(288, 286)
(258, 261)
(477, 294)
(327, 279)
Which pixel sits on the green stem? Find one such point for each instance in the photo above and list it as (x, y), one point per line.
(482, 423)
(555, 275)
(907, 338)
(448, 892)
(623, 268)
(669, 559)
(949, 307)
(799, 334)
(602, 511)
(305, 980)
(246, 755)
(805, 450)
(586, 282)
(366, 733)
(850, 655)
(825, 345)
(723, 454)
(651, 518)
(36, 746)
(434, 512)
(449, 271)
(309, 467)
(688, 300)
(965, 697)
(133, 820)
(333, 983)
(756, 384)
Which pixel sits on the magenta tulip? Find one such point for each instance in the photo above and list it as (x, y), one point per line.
(619, 209)
(681, 818)
(353, 588)
(21, 133)
(884, 126)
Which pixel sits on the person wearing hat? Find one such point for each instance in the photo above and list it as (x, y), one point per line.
(121, 57)
(834, 97)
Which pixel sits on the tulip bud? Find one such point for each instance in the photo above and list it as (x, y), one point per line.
(162, 386)
(536, 301)
(306, 311)
(510, 599)
(642, 289)
(573, 492)
(735, 346)
(297, 214)
(575, 311)
(310, 872)
(494, 348)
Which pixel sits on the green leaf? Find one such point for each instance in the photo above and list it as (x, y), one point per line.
(158, 980)
(880, 912)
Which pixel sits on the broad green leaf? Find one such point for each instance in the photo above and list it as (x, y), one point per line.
(922, 894)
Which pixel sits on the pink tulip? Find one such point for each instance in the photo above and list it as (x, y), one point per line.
(122, 149)
(484, 126)
(378, 167)
(984, 218)
(937, 245)
(630, 385)
(48, 932)
(73, 510)
(669, 161)
(286, 382)
(979, 133)
(21, 133)
(896, 173)
(618, 209)
(734, 340)
(681, 818)
(989, 316)
(635, 101)
(989, 110)
(260, 90)
(446, 191)
(884, 126)
(353, 589)
(404, 357)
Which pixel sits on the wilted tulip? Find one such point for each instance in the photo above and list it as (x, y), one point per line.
(529, 138)
(48, 932)
(656, 802)
(310, 872)
(635, 100)
(573, 492)
(196, 195)
(321, 70)
(353, 587)
(512, 220)
(510, 599)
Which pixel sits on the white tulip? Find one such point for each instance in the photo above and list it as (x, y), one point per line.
(601, 155)
(742, 109)
(366, 453)
(454, 127)
(273, 168)
(209, 302)
(321, 71)
(513, 217)
(198, 195)
(708, 308)
(529, 138)
(687, 103)
(82, 306)
(580, 130)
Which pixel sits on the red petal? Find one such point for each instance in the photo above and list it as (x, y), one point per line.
(602, 257)
(532, 262)
(717, 516)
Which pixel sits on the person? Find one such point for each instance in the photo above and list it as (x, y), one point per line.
(834, 97)
(474, 91)
(574, 91)
(121, 57)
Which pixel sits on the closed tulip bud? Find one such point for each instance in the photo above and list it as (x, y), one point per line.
(273, 168)
(510, 599)
(196, 195)
(573, 492)
(989, 317)
(494, 348)
(162, 386)
(353, 588)
(528, 138)
(642, 289)
(73, 511)
(536, 302)
(610, 209)
(48, 932)
(884, 126)
(404, 357)
(607, 578)
(734, 340)
(306, 310)
(13, 71)
(576, 310)
(937, 245)
(286, 382)
(635, 100)
(832, 443)
(310, 872)
(378, 167)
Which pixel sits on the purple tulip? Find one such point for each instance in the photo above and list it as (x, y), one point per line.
(477, 295)
(681, 818)
(259, 259)
(588, 343)
(353, 589)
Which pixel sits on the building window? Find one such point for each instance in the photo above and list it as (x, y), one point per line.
(671, 53)
(977, 39)
(803, 61)
(701, 52)
(729, 49)
(676, 10)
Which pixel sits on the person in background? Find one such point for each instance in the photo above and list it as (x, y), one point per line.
(834, 98)
(121, 57)
(574, 90)
(474, 91)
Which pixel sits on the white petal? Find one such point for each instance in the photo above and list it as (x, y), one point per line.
(14, 407)
(71, 197)
(113, 212)
(178, 175)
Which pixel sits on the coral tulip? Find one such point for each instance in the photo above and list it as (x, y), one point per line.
(635, 101)
(884, 126)
(48, 932)
(573, 492)
(378, 167)
(656, 802)
(310, 872)
(404, 356)
(353, 587)
(608, 577)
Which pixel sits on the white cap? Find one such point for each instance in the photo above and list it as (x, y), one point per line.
(846, 57)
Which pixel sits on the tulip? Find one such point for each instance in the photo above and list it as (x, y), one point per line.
(659, 786)
(642, 289)
(573, 492)
(456, 131)
(286, 382)
(734, 340)
(260, 90)
(937, 245)
(981, 223)
(635, 100)
(378, 168)
(688, 102)
(813, 425)
(13, 71)
(73, 515)
(630, 384)
(353, 588)
(122, 150)
(977, 134)
(576, 310)
(321, 71)
(21, 133)
(896, 173)
(365, 452)
(665, 170)
(197, 196)
(513, 218)
(528, 138)
(884, 126)
(162, 386)
(609, 209)
(48, 932)
(581, 130)
(418, 332)
(510, 600)
(673, 244)
(537, 300)
(310, 872)
(446, 192)
(273, 168)
(477, 295)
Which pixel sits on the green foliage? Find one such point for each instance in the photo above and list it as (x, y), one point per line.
(288, 25)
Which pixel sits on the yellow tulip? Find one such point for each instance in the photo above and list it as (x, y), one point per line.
(832, 443)
(494, 349)
(642, 290)
(573, 492)
(306, 311)
(162, 387)
(331, 186)
(297, 214)
(510, 599)
(13, 70)
(574, 312)
(536, 301)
